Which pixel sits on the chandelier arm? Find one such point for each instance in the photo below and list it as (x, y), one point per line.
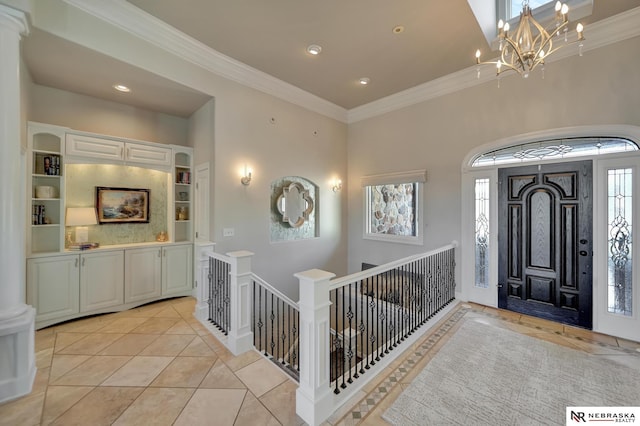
(552, 29)
(502, 64)
(515, 48)
(562, 45)
(509, 67)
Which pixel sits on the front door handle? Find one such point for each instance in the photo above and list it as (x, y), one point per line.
(583, 252)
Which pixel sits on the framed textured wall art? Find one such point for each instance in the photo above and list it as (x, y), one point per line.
(122, 205)
(393, 206)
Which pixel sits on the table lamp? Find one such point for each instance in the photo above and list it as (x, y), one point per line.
(80, 217)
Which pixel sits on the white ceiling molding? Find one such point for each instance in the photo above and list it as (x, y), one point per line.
(127, 17)
(15, 19)
(608, 31)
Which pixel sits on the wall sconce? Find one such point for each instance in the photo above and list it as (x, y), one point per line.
(246, 178)
(337, 185)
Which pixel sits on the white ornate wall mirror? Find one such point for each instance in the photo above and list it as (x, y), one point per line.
(293, 209)
(295, 204)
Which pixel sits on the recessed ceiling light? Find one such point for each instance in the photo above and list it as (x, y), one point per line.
(121, 88)
(398, 29)
(364, 81)
(314, 49)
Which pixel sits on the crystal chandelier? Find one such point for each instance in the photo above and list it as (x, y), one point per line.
(532, 43)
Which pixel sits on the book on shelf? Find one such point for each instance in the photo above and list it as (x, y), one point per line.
(38, 215)
(83, 246)
(183, 178)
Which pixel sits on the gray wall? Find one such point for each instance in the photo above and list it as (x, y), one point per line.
(602, 87)
(89, 114)
(297, 143)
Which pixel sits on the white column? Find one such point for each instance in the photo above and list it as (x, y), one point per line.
(241, 298)
(17, 358)
(314, 400)
(201, 292)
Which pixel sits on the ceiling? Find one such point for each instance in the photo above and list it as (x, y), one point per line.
(357, 38)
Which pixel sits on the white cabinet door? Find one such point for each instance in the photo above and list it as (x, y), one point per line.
(53, 286)
(101, 280)
(92, 147)
(142, 276)
(177, 269)
(147, 154)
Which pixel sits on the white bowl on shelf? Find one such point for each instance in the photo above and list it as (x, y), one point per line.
(46, 192)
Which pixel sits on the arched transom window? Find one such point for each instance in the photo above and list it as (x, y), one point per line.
(554, 149)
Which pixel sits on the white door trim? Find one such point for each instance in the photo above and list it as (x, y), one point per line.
(602, 321)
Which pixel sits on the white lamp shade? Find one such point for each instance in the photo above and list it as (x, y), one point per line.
(81, 216)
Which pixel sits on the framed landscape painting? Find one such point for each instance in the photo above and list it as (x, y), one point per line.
(122, 205)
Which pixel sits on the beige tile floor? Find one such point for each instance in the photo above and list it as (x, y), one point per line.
(157, 365)
(153, 365)
(371, 408)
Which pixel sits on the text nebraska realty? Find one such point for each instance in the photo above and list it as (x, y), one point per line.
(612, 417)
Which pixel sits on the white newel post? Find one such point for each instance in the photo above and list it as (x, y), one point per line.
(314, 400)
(17, 357)
(202, 279)
(240, 337)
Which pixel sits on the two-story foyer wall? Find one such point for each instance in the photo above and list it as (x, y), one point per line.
(81, 182)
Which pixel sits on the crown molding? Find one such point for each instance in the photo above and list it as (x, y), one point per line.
(608, 31)
(127, 17)
(15, 19)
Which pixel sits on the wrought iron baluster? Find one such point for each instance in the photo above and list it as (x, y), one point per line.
(342, 360)
(363, 314)
(336, 344)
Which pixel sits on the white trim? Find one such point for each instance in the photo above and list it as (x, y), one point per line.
(608, 31)
(15, 19)
(417, 239)
(127, 17)
(486, 296)
(627, 327)
(391, 178)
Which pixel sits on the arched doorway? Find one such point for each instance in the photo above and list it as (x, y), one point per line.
(557, 267)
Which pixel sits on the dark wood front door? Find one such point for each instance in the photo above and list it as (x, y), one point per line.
(545, 241)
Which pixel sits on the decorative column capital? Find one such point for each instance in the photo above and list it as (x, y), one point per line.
(14, 19)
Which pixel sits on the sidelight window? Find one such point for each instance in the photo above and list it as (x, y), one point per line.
(482, 232)
(620, 243)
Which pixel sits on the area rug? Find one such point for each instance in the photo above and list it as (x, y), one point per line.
(486, 375)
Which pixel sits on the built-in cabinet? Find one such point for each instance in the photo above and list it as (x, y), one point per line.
(177, 269)
(183, 194)
(46, 186)
(53, 287)
(142, 282)
(151, 272)
(101, 280)
(64, 284)
(116, 151)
